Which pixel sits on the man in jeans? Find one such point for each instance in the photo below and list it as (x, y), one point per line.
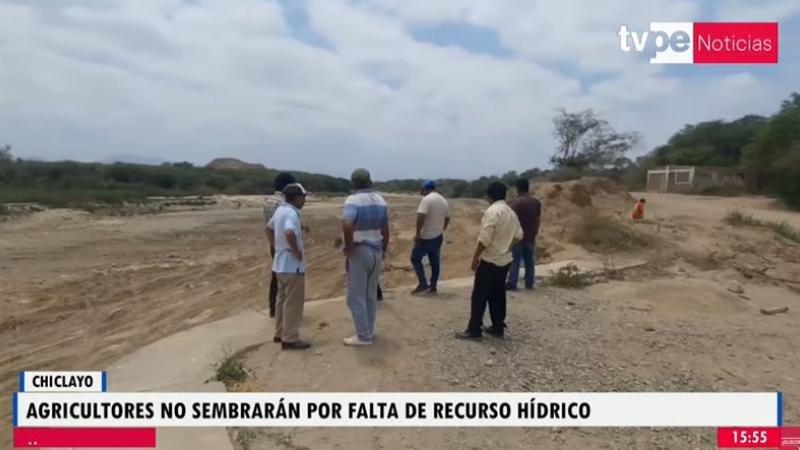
(433, 216)
(271, 204)
(529, 213)
(365, 226)
(286, 235)
(499, 230)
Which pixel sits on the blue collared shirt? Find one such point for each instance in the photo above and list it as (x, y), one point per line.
(286, 217)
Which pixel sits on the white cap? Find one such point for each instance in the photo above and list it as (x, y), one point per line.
(294, 189)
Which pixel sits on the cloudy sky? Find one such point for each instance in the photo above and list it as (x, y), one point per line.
(407, 88)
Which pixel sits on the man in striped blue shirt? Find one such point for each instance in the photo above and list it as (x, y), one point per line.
(365, 225)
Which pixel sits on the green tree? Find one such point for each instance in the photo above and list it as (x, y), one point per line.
(510, 177)
(774, 154)
(711, 143)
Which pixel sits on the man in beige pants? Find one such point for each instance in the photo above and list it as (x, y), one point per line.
(286, 235)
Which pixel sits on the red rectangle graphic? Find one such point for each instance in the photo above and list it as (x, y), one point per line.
(85, 437)
(748, 437)
(790, 438)
(735, 42)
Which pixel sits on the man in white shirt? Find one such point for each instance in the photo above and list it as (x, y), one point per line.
(271, 204)
(286, 234)
(433, 217)
(500, 229)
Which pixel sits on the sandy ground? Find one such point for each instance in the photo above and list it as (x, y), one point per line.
(78, 291)
(708, 208)
(602, 339)
(688, 321)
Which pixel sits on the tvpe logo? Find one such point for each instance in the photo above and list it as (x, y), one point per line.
(704, 42)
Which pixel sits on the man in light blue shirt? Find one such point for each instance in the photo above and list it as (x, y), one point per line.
(365, 226)
(286, 235)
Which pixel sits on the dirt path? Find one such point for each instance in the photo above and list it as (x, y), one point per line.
(607, 338)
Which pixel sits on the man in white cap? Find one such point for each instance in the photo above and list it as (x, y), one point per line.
(286, 235)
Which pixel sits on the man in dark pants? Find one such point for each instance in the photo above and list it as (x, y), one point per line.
(529, 213)
(271, 204)
(500, 229)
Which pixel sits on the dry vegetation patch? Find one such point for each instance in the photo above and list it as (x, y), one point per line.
(604, 234)
(783, 229)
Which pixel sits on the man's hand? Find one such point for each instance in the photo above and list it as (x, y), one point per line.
(298, 255)
(417, 239)
(347, 237)
(477, 255)
(294, 246)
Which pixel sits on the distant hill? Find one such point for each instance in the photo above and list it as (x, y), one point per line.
(133, 159)
(73, 183)
(234, 164)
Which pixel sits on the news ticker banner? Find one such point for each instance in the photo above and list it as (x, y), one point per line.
(73, 409)
(402, 409)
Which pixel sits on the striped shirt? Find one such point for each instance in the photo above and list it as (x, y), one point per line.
(271, 204)
(369, 213)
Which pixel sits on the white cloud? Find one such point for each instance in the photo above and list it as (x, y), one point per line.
(194, 80)
(763, 10)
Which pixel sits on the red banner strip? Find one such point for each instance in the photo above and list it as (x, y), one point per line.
(85, 437)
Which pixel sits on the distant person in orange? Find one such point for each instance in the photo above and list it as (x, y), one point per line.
(638, 210)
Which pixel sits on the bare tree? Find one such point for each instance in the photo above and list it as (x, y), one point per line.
(5, 153)
(587, 141)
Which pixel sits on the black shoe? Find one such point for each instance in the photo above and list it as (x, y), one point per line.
(433, 290)
(492, 331)
(530, 288)
(468, 335)
(511, 287)
(276, 340)
(296, 345)
(419, 290)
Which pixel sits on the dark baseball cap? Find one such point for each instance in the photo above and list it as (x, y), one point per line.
(361, 176)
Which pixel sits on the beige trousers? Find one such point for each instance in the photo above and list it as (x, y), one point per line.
(289, 307)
